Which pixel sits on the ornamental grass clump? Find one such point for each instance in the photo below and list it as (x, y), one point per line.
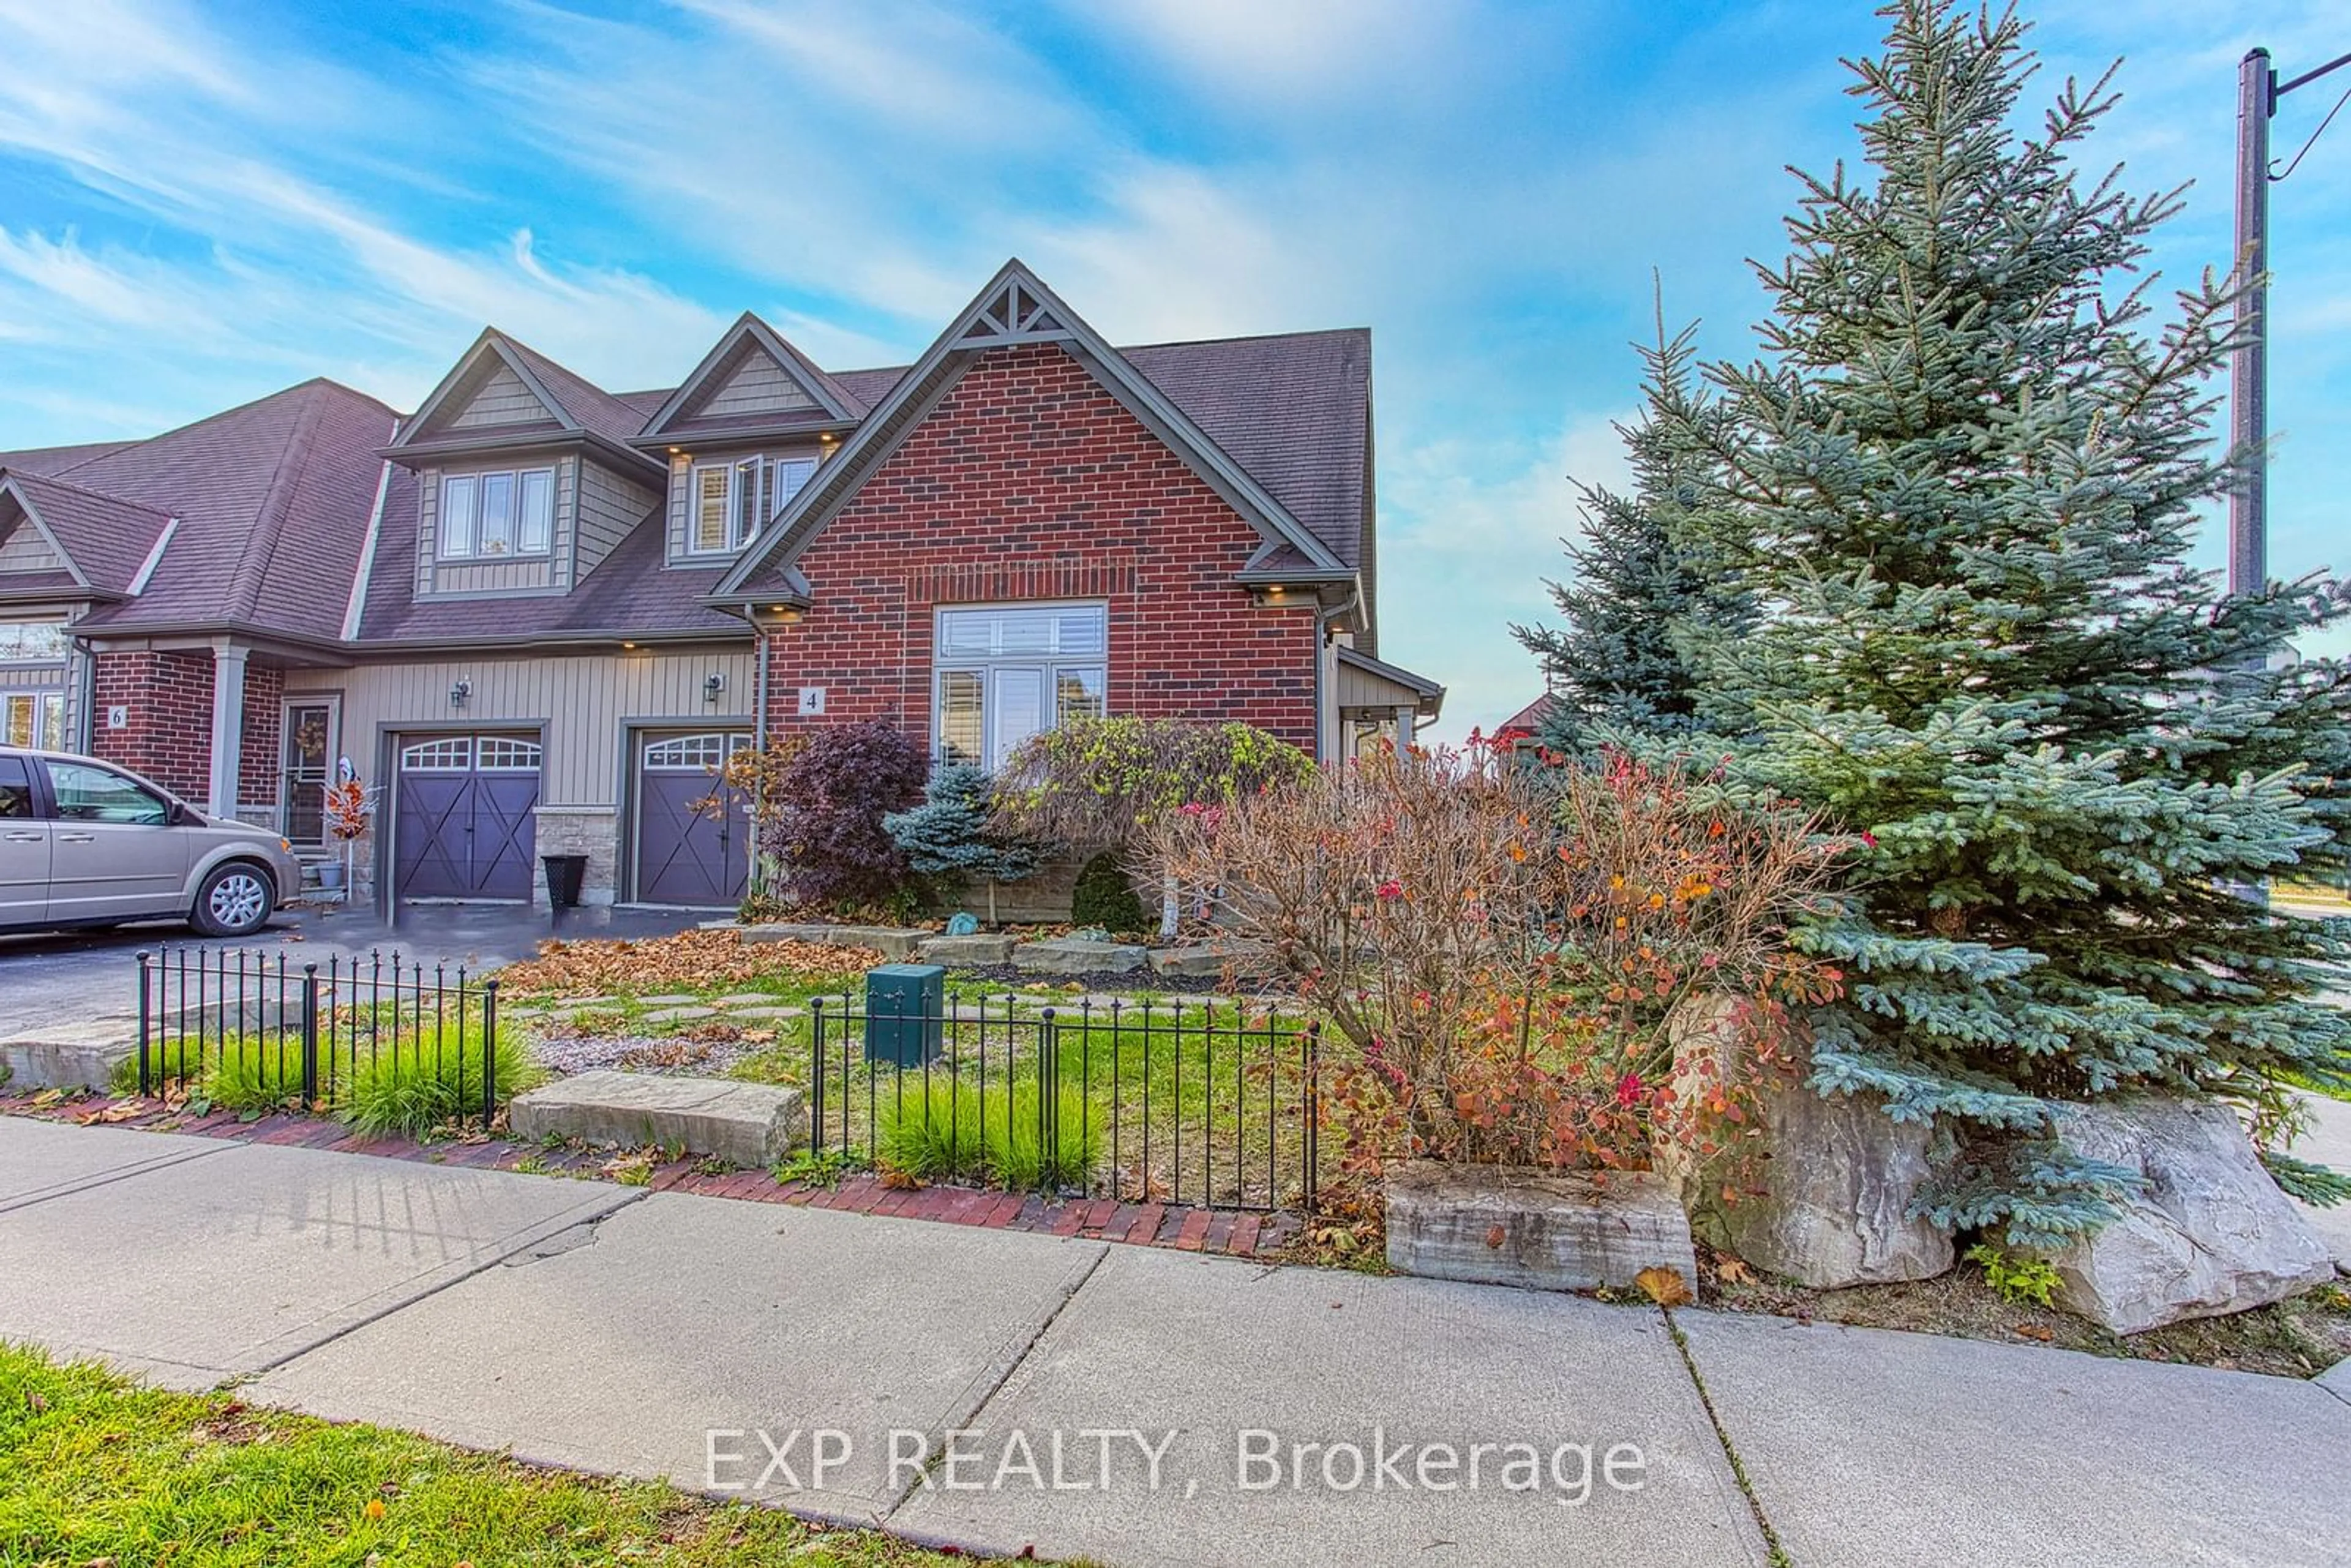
(1507, 948)
(947, 1129)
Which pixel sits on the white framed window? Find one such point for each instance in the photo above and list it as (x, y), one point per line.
(490, 515)
(734, 500)
(32, 641)
(1008, 671)
(33, 718)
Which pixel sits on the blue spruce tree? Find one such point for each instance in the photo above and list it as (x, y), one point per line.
(1969, 468)
(1648, 586)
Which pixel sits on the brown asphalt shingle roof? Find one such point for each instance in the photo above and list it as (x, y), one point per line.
(58, 459)
(275, 498)
(105, 535)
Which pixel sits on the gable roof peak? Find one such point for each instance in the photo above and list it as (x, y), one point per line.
(828, 401)
(575, 405)
(1016, 306)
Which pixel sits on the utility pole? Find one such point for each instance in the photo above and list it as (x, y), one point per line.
(2258, 91)
(2248, 368)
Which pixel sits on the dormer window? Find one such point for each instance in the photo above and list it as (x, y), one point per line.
(491, 516)
(733, 501)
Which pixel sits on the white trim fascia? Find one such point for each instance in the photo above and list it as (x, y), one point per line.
(154, 558)
(365, 573)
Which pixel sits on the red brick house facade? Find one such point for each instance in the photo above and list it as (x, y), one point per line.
(530, 615)
(1029, 482)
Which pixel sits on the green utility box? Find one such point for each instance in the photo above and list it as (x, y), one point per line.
(906, 1014)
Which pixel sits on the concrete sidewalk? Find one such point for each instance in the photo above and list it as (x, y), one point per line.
(1002, 1390)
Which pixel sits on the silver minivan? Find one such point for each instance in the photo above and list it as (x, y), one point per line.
(83, 842)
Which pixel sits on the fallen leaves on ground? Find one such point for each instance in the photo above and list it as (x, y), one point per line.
(687, 961)
(1732, 1270)
(1665, 1286)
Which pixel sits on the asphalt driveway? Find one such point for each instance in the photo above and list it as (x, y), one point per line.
(72, 980)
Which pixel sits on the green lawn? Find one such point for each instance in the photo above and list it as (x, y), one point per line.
(96, 1469)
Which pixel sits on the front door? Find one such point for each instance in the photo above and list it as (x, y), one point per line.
(466, 824)
(24, 849)
(691, 848)
(306, 768)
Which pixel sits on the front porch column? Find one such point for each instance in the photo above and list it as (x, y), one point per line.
(228, 726)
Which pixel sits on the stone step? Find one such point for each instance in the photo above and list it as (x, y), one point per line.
(749, 1125)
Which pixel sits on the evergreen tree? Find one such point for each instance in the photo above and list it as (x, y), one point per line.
(1971, 465)
(949, 836)
(1649, 587)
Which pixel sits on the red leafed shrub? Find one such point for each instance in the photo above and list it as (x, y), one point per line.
(819, 797)
(1508, 950)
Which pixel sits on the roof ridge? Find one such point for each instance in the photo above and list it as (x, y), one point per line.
(269, 518)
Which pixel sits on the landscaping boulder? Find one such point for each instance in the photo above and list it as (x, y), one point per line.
(1823, 1195)
(1076, 955)
(2208, 1235)
(1542, 1231)
(894, 943)
(1826, 1199)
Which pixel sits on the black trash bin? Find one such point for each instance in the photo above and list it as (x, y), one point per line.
(565, 876)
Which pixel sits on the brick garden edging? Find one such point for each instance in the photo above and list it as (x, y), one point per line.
(1187, 1228)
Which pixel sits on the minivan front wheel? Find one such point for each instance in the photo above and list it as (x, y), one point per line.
(235, 901)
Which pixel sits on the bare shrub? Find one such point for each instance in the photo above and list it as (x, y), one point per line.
(1505, 946)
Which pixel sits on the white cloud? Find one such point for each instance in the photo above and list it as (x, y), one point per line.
(1268, 48)
(1474, 556)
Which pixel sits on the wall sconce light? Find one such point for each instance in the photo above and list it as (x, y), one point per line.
(712, 684)
(460, 692)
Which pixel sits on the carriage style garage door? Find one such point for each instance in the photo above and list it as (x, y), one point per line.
(464, 827)
(687, 854)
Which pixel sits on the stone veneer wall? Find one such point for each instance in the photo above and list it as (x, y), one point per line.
(591, 830)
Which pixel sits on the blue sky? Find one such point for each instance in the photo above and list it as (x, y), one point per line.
(201, 205)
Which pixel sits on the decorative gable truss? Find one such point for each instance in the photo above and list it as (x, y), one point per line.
(1017, 309)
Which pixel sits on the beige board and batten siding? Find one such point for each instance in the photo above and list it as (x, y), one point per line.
(27, 550)
(1360, 687)
(583, 700)
(610, 505)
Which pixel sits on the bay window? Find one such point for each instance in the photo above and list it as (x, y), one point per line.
(488, 516)
(1008, 671)
(734, 500)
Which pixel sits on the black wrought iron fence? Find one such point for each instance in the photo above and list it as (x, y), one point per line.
(1215, 1104)
(398, 1040)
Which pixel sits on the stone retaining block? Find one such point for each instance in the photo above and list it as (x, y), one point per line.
(1078, 955)
(750, 1125)
(1496, 1225)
